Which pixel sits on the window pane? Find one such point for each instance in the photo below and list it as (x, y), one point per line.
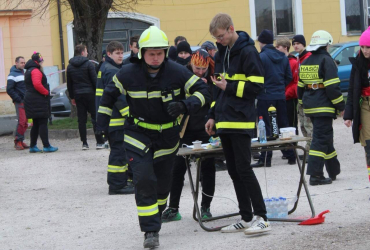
(284, 17)
(353, 19)
(345, 54)
(263, 15)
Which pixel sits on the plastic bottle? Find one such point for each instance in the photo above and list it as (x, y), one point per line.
(282, 201)
(285, 204)
(262, 130)
(268, 207)
(274, 207)
(273, 122)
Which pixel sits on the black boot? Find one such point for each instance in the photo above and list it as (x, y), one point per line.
(151, 240)
(261, 164)
(129, 189)
(256, 156)
(319, 180)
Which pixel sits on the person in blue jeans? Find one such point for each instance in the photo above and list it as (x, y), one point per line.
(277, 76)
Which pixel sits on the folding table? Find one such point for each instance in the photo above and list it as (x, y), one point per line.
(190, 154)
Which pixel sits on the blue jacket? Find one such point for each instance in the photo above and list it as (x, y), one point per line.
(277, 73)
(15, 87)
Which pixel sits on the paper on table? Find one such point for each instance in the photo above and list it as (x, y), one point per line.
(203, 146)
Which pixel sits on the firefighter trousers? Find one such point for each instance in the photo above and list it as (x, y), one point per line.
(118, 169)
(322, 151)
(151, 155)
(367, 153)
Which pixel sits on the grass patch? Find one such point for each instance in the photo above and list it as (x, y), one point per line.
(68, 123)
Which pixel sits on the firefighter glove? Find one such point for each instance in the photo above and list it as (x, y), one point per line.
(176, 108)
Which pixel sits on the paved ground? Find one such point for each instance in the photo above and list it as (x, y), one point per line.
(60, 201)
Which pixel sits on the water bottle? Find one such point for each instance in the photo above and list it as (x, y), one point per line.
(262, 130)
(274, 207)
(268, 207)
(286, 209)
(273, 122)
(282, 207)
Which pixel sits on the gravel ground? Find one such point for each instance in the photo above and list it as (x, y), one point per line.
(61, 201)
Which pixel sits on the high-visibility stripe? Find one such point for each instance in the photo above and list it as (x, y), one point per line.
(124, 111)
(177, 92)
(116, 122)
(300, 101)
(190, 83)
(240, 90)
(167, 99)
(118, 85)
(243, 77)
(317, 153)
(163, 152)
(311, 81)
(337, 100)
(200, 97)
(331, 81)
(135, 143)
(117, 169)
(162, 202)
(331, 155)
(154, 94)
(236, 125)
(213, 104)
(148, 210)
(138, 94)
(99, 92)
(320, 110)
(301, 84)
(151, 126)
(105, 110)
(99, 74)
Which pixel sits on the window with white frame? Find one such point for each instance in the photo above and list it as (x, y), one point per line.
(356, 16)
(275, 15)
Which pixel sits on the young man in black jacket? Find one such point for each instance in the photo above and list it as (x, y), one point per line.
(81, 84)
(234, 116)
(117, 163)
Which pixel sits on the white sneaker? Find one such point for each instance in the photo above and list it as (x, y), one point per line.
(259, 226)
(238, 227)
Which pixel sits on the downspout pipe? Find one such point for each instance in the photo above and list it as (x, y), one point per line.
(61, 41)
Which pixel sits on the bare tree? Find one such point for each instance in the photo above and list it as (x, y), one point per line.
(89, 17)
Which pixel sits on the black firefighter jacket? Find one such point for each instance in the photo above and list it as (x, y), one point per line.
(120, 109)
(317, 69)
(148, 97)
(234, 108)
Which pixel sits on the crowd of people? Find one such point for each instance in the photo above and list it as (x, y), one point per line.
(140, 105)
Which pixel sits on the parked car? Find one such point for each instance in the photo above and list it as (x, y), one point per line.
(60, 105)
(341, 52)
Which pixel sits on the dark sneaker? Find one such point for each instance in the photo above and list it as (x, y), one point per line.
(284, 157)
(171, 214)
(220, 165)
(126, 190)
(100, 146)
(106, 145)
(261, 164)
(205, 213)
(50, 149)
(85, 146)
(292, 161)
(256, 156)
(151, 240)
(319, 180)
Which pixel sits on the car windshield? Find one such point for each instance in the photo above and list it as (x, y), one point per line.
(332, 49)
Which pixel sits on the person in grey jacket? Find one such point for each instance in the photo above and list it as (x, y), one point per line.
(16, 90)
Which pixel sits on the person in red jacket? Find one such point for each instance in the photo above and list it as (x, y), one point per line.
(283, 45)
(299, 45)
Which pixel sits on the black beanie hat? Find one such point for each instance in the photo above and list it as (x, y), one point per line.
(266, 37)
(184, 46)
(37, 57)
(299, 39)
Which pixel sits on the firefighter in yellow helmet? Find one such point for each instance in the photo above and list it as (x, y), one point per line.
(155, 90)
(319, 92)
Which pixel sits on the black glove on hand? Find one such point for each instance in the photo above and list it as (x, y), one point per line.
(175, 109)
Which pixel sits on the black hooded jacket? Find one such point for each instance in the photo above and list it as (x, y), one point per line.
(81, 76)
(234, 109)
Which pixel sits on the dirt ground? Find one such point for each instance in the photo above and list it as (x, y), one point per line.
(61, 201)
